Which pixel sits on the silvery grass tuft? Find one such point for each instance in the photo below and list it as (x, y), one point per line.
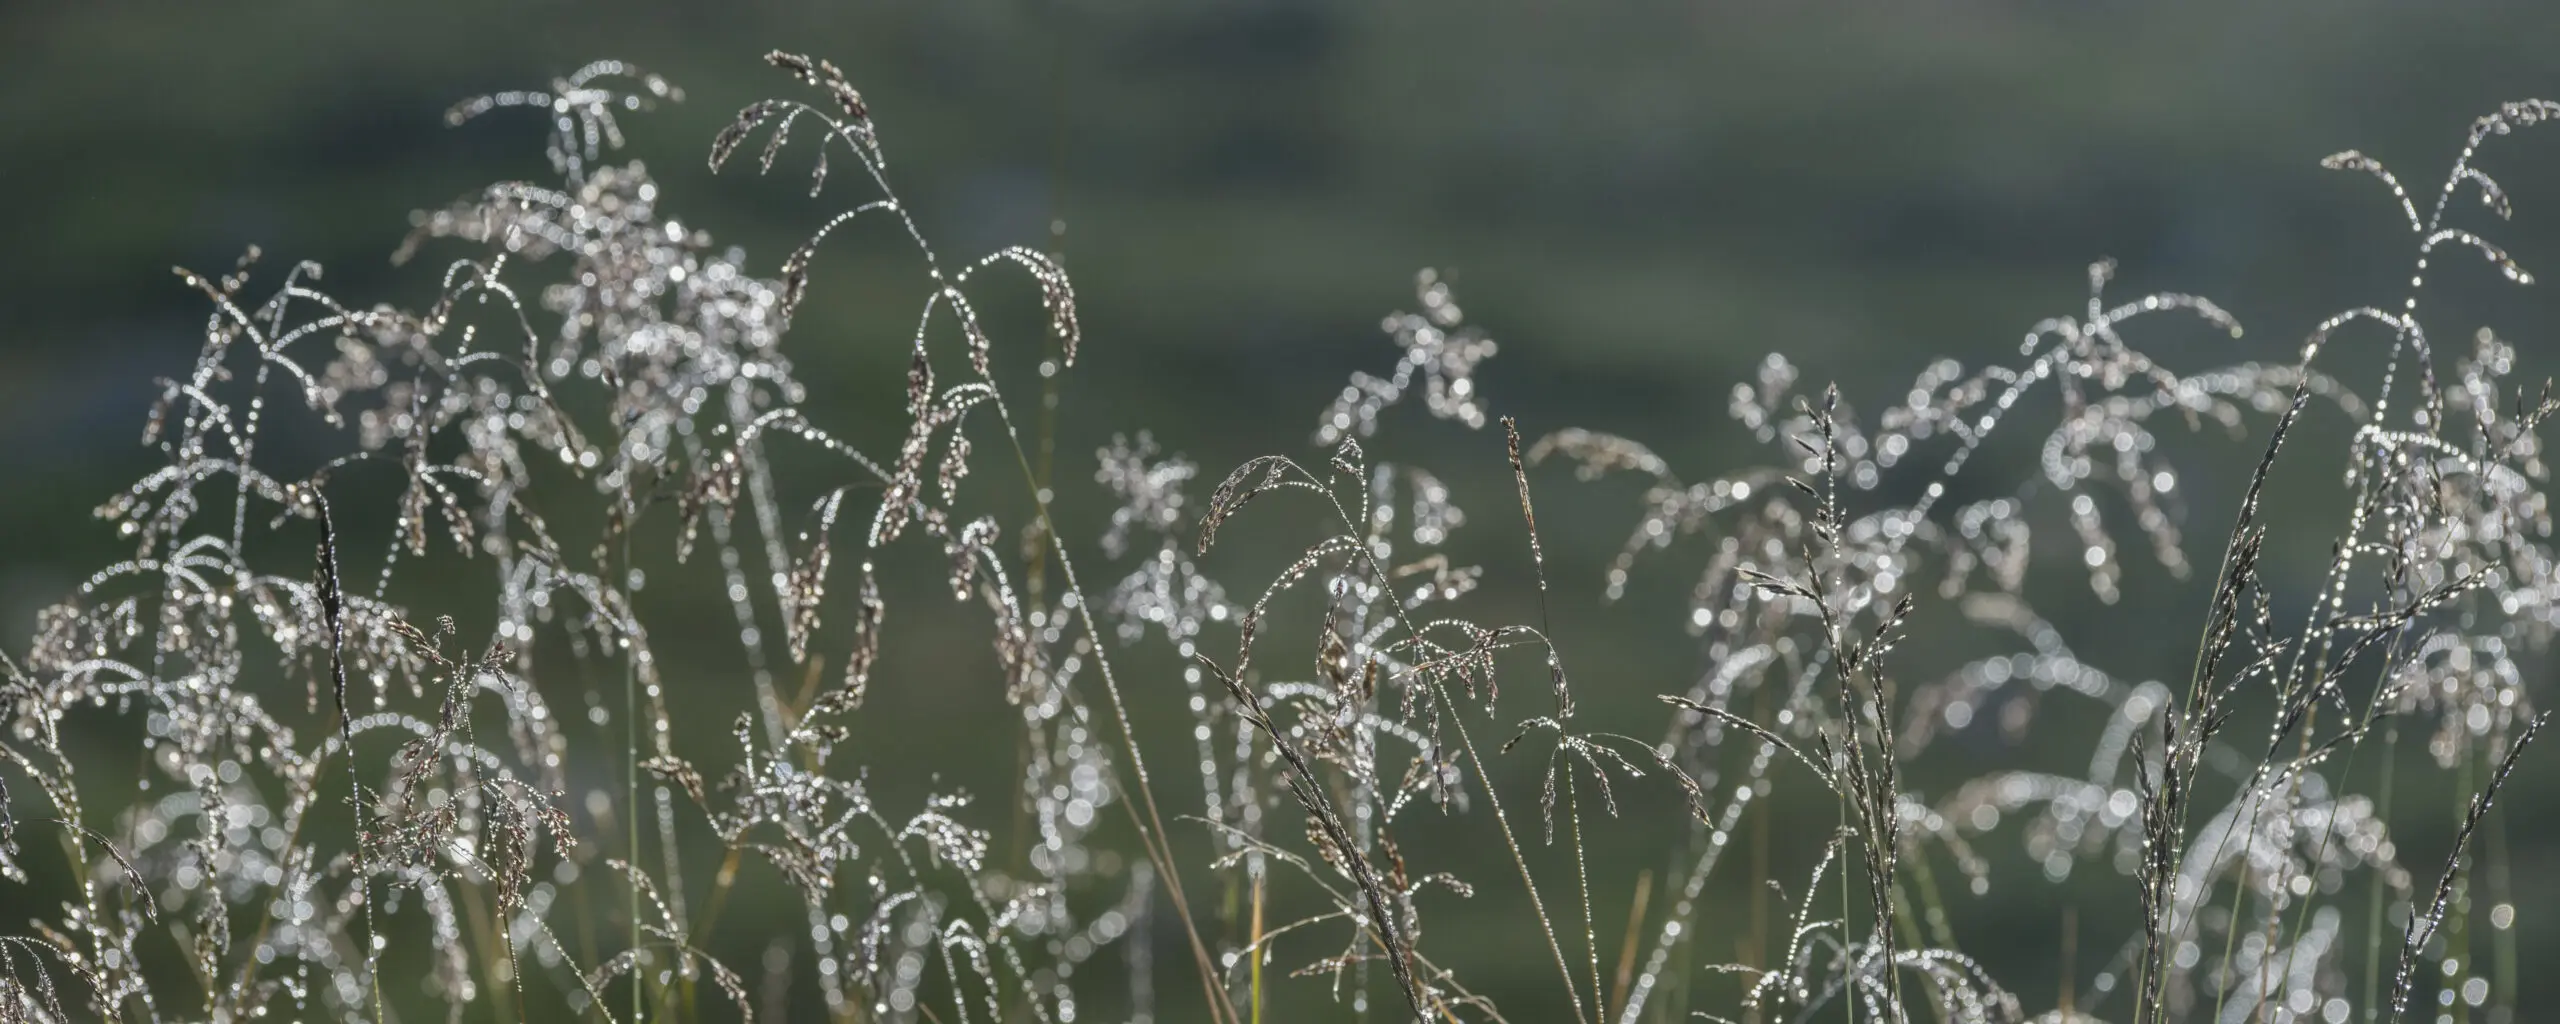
(345, 795)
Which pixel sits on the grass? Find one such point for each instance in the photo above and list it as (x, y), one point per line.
(602, 396)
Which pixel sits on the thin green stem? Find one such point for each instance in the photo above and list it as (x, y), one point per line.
(2373, 907)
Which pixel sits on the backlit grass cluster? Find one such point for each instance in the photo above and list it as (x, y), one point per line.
(347, 805)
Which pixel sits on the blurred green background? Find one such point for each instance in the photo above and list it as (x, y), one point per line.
(1637, 200)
